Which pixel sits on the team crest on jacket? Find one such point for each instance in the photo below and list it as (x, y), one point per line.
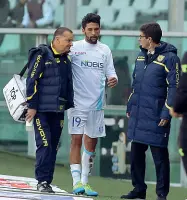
(160, 58)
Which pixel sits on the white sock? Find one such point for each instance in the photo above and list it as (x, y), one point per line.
(87, 164)
(76, 173)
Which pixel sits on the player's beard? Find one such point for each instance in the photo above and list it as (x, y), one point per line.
(92, 39)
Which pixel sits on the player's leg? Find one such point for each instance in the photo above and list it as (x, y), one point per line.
(43, 152)
(88, 157)
(75, 162)
(95, 128)
(76, 123)
(87, 163)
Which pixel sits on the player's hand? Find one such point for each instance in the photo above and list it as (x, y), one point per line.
(112, 82)
(30, 115)
(163, 122)
(174, 114)
(128, 115)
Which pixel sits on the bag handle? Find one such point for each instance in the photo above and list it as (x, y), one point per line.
(23, 70)
(43, 51)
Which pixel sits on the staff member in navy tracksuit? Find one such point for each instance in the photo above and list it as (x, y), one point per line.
(49, 93)
(155, 78)
(180, 110)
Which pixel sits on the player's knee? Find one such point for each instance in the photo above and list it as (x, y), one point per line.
(76, 140)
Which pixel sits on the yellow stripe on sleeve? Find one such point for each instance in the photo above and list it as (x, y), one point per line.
(168, 107)
(41, 75)
(130, 95)
(35, 90)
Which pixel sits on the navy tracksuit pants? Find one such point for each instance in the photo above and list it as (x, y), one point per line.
(183, 141)
(48, 127)
(138, 166)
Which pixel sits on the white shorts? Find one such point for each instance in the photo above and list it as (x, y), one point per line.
(89, 122)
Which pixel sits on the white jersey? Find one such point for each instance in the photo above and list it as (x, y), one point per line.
(91, 64)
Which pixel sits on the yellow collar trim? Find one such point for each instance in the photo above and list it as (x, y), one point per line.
(54, 51)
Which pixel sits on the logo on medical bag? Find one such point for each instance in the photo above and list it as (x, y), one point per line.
(13, 93)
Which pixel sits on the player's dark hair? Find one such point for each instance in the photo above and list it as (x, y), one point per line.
(90, 18)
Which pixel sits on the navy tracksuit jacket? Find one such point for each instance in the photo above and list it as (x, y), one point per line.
(155, 80)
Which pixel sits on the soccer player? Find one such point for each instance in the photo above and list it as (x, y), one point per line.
(92, 63)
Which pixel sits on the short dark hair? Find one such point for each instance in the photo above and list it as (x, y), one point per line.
(60, 31)
(152, 30)
(90, 18)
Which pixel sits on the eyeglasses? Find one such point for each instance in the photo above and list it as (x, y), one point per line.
(142, 36)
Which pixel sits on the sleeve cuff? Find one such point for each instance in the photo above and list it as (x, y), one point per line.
(128, 107)
(32, 106)
(165, 115)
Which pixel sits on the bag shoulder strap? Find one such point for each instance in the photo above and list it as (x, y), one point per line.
(43, 51)
(23, 70)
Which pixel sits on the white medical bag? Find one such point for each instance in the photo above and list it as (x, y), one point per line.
(15, 96)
